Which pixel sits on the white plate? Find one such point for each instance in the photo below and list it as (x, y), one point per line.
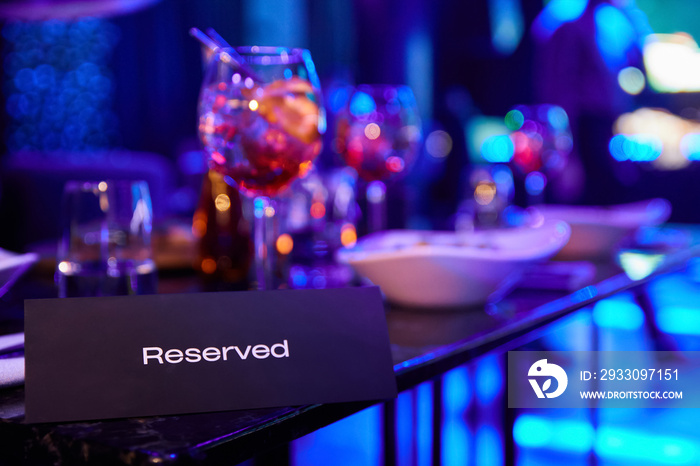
(12, 266)
(447, 269)
(596, 231)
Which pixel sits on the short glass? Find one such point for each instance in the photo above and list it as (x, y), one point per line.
(320, 215)
(105, 248)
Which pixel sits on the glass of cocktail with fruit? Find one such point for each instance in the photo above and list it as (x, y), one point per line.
(260, 121)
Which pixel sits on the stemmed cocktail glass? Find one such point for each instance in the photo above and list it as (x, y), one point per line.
(541, 138)
(260, 120)
(379, 134)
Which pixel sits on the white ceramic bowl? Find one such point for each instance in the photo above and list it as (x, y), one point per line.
(448, 269)
(596, 231)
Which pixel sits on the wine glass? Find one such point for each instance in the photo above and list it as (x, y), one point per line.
(379, 134)
(260, 121)
(541, 141)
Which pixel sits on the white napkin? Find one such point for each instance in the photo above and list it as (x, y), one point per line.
(11, 372)
(10, 340)
(10, 260)
(11, 369)
(12, 266)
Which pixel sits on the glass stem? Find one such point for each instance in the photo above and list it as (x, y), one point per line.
(376, 207)
(263, 213)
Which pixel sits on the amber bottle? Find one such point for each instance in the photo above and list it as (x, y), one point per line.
(225, 247)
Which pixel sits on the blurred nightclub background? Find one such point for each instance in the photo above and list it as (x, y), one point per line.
(114, 87)
(566, 101)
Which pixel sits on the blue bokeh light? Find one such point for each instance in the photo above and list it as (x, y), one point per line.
(489, 380)
(490, 446)
(614, 443)
(609, 442)
(58, 87)
(690, 146)
(455, 433)
(635, 147)
(507, 25)
(532, 431)
(362, 104)
(679, 320)
(535, 183)
(405, 414)
(351, 441)
(619, 312)
(424, 415)
(571, 435)
(614, 34)
(498, 149)
(566, 10)
(557, 117)
(556, 13)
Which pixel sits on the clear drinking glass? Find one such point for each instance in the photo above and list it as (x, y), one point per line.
(320, 215)
(105, 248)
(260, 121)
(542, 145)
(379, 135)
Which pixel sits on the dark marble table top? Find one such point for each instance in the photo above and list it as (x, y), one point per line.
(425, 344)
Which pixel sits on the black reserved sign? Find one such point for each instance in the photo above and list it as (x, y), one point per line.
(132, 356)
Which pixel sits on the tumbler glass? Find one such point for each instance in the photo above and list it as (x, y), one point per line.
(105, 248)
